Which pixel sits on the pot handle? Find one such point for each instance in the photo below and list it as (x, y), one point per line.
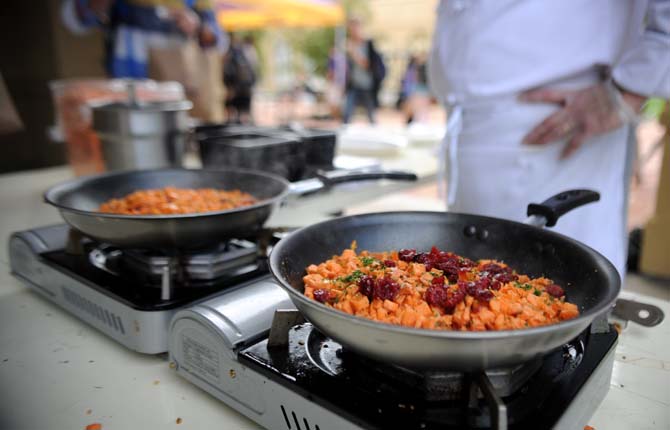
(546, 214)
(325, 179)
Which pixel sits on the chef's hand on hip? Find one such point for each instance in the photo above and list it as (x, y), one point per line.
(584, 113)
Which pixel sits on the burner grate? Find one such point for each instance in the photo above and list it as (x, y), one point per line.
(205, 265)
(234, 259)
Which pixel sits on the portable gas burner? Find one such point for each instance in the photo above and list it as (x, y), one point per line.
(131, 295)
(293, 377)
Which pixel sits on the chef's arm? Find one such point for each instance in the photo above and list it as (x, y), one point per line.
(644, 68)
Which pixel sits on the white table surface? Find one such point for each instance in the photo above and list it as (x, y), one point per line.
(56, 372)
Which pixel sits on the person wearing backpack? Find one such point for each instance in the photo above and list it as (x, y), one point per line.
(365, 73)
(239, 77)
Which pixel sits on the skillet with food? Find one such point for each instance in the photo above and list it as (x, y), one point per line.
(588, 279)
(79, 203)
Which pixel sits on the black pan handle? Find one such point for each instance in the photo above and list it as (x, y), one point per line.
(364, 174)
(555, 207)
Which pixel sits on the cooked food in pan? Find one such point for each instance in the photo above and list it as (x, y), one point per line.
(171, 200)
(436, 290)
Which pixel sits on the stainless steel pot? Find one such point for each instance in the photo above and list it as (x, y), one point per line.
(142, 135)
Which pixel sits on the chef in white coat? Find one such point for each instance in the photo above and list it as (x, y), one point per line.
(541, 98)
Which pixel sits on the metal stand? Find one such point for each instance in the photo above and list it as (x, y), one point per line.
(166, 277)
(497, 409)
(166, 283)
(74, 245)
(282, 322)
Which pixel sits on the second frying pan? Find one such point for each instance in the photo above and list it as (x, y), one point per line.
(78, 202)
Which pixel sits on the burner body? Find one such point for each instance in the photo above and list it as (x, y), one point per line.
(123, 294)
(299, 379)
(380, 395)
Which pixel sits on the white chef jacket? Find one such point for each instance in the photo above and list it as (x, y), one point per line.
(486, 52)
(485, 48)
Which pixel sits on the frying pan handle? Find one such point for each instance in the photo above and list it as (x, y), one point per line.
(325, 179)
(555, 207)
(644, 314)
(364, 174)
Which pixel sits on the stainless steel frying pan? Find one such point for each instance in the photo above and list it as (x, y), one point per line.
(78, 201)
(589, 279)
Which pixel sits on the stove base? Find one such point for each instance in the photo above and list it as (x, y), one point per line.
(141, 331)
(126, 310)
(279, 390)
(280, 408)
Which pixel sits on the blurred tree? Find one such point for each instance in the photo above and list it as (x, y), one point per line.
(310, 46)
(314, 45)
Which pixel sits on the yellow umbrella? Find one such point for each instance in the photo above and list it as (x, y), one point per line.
(234, 15)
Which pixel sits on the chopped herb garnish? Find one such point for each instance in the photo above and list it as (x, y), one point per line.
(367, 260)
(353, 277)
(537, 292)
(525, 286)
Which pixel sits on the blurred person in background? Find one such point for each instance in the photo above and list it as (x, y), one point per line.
(160, 39)
(251, 54)
(335, 81)
(364, 74)
(542, 98)
(239, 76)
(414, 97)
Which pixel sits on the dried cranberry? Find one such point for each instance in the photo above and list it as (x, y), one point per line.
(483, 283)
(449, 269)
(504, 278)
(422, 258)
(469, 288)
(493, 268)
(438, 280)
(321, 295)
(453, 299)
(554, 290)
(385, 288)
(389, 263)
(465, 262)
(436, 295)
(479, 289)
(495, 285)
(483, 295)
(366, 286)
(407, 254)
